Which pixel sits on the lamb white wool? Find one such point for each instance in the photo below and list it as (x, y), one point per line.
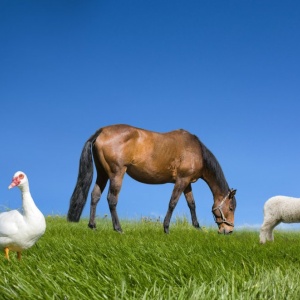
(276, 210)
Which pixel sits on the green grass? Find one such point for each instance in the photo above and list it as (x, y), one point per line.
(73, 262)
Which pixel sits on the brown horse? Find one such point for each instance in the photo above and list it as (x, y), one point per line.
(149, 157)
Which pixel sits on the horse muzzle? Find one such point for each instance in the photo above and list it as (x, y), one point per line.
(225, 229)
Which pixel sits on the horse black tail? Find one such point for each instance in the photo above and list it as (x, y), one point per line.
(84, 180)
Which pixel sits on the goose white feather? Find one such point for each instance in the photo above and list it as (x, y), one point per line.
(20, 231)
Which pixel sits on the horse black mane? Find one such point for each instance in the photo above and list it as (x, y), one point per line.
(213, 167)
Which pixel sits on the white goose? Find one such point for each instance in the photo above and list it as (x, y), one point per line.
(20, 231)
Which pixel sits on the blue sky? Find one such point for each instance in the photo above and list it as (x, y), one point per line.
(227, 71)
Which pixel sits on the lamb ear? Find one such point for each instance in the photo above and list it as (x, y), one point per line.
(232, 193)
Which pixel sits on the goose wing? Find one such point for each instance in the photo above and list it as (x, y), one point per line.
(10, 223)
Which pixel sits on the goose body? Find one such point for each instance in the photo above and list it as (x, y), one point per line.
(20, 231)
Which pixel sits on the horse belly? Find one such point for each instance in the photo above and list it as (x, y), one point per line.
(150, 175)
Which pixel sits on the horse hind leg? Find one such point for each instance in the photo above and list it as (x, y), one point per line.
(112, 198)
(95, 197)
(191, 204)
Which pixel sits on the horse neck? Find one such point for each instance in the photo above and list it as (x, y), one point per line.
(213, 175)
(218, 187)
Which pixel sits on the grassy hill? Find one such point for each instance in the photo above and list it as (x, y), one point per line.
(72, 261)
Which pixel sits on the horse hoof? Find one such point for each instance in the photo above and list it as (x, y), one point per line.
(92, 226)
(119, 230)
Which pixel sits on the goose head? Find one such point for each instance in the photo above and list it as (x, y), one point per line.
(19, 179)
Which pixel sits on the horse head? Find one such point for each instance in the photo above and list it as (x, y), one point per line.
(223, 212)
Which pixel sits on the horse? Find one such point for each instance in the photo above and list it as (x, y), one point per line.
(149, 157)
(278, 209)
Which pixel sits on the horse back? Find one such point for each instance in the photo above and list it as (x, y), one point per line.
(148, 156)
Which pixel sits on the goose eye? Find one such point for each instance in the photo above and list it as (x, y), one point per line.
(21, 176)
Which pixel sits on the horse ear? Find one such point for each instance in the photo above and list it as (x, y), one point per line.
(232, 193)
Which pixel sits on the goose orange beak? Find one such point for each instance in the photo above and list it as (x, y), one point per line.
(11, 185)
(14, 183)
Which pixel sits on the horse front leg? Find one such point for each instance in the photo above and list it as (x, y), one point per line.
(192, 205)
(178, 189)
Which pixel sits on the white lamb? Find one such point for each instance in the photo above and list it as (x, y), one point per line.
(276, 210)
